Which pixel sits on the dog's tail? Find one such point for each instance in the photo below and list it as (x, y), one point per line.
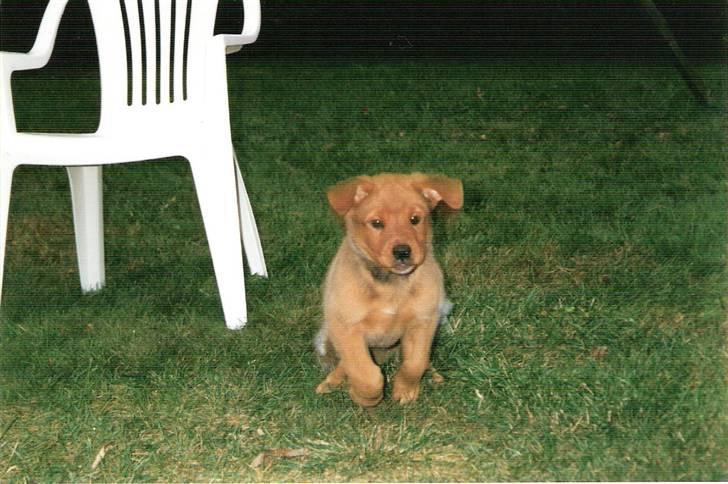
(445, 309)
(325, 350)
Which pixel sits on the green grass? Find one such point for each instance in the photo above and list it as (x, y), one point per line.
(587, 268)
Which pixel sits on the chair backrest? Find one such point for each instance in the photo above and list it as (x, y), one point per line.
(151, 52)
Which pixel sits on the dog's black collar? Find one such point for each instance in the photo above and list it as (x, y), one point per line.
(379, 274)
(384, 276)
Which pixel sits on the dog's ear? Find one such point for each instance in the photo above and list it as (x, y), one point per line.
(347, 194)
(438, 188)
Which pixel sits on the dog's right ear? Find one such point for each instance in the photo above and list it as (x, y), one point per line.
(347, 194)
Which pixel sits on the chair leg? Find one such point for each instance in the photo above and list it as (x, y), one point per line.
(217, 195)
(6, 181)
(87, 201)
(249, 229)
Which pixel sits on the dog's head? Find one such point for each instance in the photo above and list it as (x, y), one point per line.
(387, 216)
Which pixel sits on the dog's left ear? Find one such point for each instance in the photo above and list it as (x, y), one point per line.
(439, 188)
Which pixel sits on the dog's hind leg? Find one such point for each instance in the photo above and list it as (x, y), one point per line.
(435, 375)
(332, 381)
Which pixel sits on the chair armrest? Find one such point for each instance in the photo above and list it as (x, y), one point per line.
(251, 28)
(16, 61)
(38, 57)
(42, 48)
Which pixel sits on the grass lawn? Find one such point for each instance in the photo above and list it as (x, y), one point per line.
(587, 268)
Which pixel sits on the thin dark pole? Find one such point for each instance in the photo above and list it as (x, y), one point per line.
(695, 84)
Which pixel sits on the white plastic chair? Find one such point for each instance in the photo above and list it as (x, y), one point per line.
(163, 93)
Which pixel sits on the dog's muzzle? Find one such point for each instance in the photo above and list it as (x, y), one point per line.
(402, 259)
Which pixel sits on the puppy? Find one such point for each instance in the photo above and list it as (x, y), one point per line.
(384, 287)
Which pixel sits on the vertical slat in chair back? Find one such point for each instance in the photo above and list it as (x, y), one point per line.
(151, 52)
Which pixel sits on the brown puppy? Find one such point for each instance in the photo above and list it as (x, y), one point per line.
(384, 287)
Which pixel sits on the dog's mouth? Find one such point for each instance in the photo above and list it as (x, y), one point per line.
(402, 268)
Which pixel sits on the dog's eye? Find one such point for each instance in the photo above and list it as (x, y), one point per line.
(377, 224)
(415, 219)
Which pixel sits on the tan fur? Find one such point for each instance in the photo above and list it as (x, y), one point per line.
(375, 298)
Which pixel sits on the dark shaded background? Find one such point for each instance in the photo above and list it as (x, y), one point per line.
(561, 30)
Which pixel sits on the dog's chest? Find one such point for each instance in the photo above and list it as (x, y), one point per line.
(385, 327)
(387, 320)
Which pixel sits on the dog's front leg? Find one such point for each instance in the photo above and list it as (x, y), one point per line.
(416, 344)
(365, 378)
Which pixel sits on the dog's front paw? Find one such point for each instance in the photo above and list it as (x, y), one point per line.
(405, 392)
(367, 393)
(370, 400)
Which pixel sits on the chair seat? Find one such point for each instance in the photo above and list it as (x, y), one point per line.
(92, 148)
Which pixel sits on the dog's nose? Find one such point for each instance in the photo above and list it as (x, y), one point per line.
(401, 252)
